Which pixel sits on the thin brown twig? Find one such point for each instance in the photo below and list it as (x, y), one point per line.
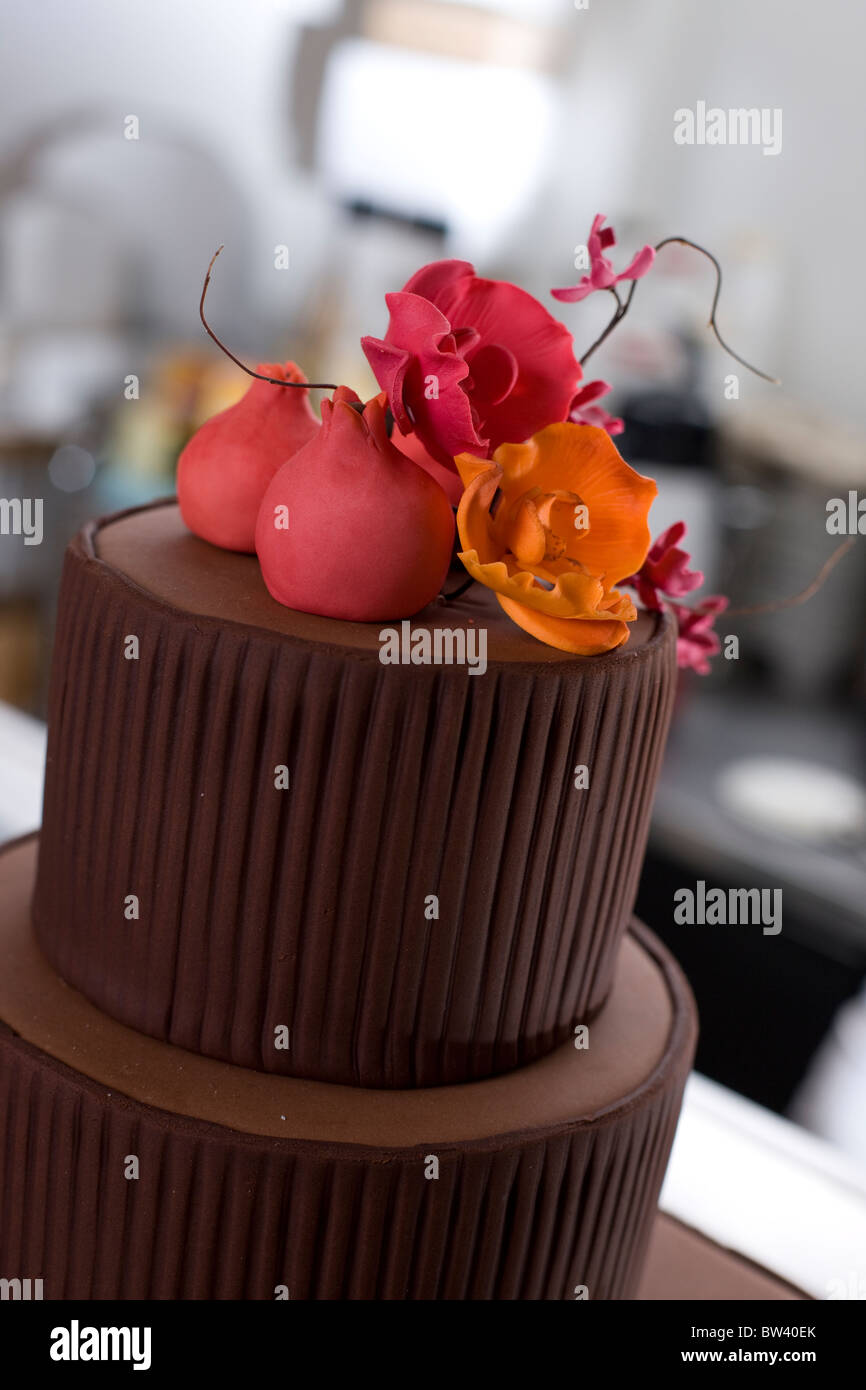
(711, 323)
(623, 307)
(806, 594)
(274, 381)
(618, 313)
(461, 589)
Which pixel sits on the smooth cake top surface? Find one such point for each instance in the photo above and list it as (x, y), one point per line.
(152, 547)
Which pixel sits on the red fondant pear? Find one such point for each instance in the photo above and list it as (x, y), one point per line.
(225, 468)
(352, 528)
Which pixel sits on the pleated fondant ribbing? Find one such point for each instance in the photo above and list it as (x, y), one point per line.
(209, 1213)
(310, 908)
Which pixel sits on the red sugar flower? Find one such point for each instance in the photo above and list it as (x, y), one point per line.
(419, 367)
(469, 364)
(602, 275)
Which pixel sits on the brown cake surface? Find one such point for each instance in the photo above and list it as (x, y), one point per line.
(248, 1183)
(306, 912)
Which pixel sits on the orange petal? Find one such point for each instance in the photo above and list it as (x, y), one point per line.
(525, 536)
(468, 466)
(616, 604)
(473, 514)
(585, 460)
(568, 634)
(570, 595)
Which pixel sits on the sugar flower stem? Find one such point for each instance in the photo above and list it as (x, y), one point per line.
(623, 307)
(807, 593)
(619, 313)
(274, 381)
(461, 589)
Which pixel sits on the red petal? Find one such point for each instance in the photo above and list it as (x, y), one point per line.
(389, 364)
(590, 392)
(494, 373)
(420, 339)
(576, 293)
(434, 279)
(639, 266)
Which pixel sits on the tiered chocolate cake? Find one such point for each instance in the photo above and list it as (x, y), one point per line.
(321, 982)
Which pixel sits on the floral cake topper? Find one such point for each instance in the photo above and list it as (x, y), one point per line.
(484, 425)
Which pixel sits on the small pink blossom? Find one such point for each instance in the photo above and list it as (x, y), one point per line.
(664, 575)
(665, 569)
(696, 640)
(602, 275)
(583, 412)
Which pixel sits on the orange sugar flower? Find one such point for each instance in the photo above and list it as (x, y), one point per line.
(552, 526)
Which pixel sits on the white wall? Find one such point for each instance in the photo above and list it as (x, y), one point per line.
(216, 71)
(207, 79)
(805, 209)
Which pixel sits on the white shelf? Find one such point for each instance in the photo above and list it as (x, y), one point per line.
(769, 1190)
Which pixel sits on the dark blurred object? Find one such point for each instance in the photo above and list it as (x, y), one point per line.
(765, 1001)
(669, 436)
(763, 1010)
(667, 427)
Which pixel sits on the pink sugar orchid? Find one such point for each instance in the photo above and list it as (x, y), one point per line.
(696, 640)
(665, 575)
(602, 275)
(584, 412)
(665, 570)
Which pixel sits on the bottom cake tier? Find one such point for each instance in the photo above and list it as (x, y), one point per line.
(130, 1168)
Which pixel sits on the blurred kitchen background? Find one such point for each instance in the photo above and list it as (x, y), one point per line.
(367, 137)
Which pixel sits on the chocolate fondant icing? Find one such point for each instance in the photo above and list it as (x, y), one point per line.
(249, 1184)
(255, 831)
(310, 909)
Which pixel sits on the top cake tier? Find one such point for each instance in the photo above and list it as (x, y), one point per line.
(264, 843)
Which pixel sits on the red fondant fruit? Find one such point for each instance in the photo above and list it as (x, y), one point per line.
(352, 528)
(225, 468)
